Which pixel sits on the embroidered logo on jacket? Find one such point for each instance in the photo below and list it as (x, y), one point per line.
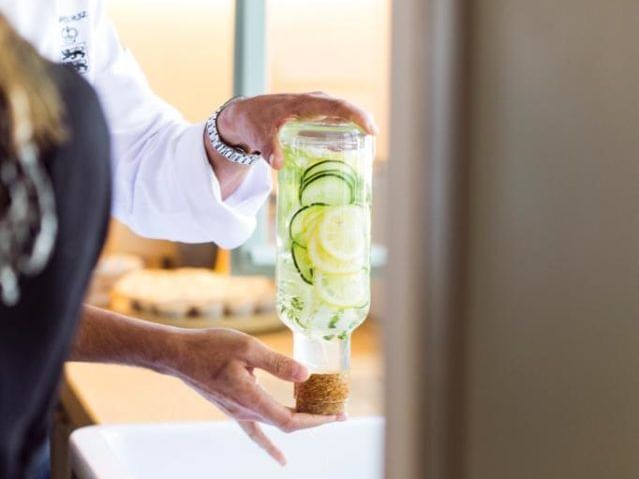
(73, 51)
(76, 56)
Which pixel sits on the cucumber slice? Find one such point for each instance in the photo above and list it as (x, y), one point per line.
(328, 188)
(326, 166)
(302, 262)
(352, 181)
(303, 223)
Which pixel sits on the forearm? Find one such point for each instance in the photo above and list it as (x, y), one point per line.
(218, 363)
(107, 337)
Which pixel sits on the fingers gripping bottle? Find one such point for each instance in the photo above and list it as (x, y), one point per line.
(323, 251)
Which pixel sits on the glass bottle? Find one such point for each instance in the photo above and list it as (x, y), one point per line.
(323, 251)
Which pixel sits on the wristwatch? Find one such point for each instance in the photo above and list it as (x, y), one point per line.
(231, 153)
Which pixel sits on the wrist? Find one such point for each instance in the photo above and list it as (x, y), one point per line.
(185, 349)
(229, 174)
(165, 351)
(227, 122)
(229, 143)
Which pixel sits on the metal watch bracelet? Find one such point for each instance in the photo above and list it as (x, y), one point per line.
(231, 153)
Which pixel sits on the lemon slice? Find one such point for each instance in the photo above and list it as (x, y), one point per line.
(303, 223)
(343, 290)
(324, 262)
(342, 232)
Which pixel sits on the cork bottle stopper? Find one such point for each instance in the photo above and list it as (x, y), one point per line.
(325, 394)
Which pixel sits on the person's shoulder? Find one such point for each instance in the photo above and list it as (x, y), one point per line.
(83, 114)
(78, 96)
(69, 83)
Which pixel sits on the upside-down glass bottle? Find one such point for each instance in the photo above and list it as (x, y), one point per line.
(323, 251)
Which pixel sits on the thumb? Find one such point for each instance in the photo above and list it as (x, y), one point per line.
(273, 154)
(278, 364)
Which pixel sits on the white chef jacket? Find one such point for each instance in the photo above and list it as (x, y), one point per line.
(164, 186)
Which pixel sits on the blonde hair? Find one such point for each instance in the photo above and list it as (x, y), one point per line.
(30, 107)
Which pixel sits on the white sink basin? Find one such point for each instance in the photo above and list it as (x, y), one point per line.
(216, 450)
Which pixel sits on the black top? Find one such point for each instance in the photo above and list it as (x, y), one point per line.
(36, 334)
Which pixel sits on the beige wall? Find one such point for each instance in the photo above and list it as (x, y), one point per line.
(185, 47)
(554, 331)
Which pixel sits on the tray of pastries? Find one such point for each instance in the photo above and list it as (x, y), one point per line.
(197, 298)
(107, 272)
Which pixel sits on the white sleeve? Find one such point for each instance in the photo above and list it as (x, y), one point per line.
(164, 186)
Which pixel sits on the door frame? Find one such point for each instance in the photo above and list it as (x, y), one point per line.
(424, 322)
